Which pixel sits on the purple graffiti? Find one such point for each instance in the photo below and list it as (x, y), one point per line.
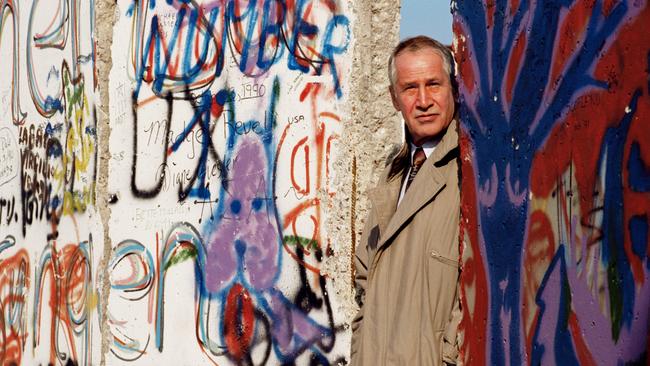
(247, 240)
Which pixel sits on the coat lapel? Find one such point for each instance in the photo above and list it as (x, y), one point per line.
(384, 200)
(429, 181)
(427, 184)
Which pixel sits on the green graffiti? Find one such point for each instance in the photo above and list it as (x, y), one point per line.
(303, 242)
(181, 255)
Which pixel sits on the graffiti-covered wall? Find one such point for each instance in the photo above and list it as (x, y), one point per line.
(179, 180)
(225, 121)
(51, 238)
(556, 176)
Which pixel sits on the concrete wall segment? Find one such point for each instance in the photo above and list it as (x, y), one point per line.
(554, 153)
(373, 129)
(231, 157)
(296, 137)
(51, 232)
(184, 182)
(105, 11)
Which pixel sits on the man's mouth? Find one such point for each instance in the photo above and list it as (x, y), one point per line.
(426, 116)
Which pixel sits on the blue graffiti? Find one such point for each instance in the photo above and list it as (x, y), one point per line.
(638, 170)
(619, 274)
(244, 244)
(239, 249)
(639, 237)
(257, 49)
(506, 135)
(554, 301)
(201, 118)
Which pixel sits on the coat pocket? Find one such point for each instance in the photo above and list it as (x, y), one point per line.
(440, 258)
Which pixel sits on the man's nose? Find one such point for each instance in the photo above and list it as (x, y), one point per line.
(424, 99)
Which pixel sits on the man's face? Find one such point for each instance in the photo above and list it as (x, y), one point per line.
(423, 93)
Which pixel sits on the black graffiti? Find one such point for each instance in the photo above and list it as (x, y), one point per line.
(191, 181)
(42, 195)
(34, 193)
(8, 206)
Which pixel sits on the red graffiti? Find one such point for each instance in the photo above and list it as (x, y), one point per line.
(474, 283)
(239, 322)
(71, 300)
(309, 175)
(14, 285)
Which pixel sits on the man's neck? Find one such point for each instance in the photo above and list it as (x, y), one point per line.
(428, 146)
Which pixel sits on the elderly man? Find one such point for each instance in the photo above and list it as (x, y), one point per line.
(407, 261)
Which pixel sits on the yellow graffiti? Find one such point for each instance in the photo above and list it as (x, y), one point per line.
(78, 154)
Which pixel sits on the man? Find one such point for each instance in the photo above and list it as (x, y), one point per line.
(407, 261)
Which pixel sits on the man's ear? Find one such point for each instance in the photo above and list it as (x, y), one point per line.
(391, 90)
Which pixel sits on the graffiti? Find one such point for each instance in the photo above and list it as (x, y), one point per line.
(14, 285)
(170, 80)
(554, 154)
(238, 257)
(251, 90)
(247, 314)
(245, 247)
(8, 11)
(71, 300)
(66, 275)
(8, 158)
(48, 163)
(257, 33)
(58, 162)
(201, 120)
(218, 138)
(308, 183)
(48, 153)
(53, 35)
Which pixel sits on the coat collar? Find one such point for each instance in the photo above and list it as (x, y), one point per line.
(427, 184)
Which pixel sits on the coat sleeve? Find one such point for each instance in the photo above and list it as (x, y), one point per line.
(361, 263)
(451, 342)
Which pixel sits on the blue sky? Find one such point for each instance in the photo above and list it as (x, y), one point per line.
(428, 17)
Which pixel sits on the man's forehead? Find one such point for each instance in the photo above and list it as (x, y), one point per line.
(414, 60)
(420, 52)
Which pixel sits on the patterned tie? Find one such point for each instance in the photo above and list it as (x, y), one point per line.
(418, 159)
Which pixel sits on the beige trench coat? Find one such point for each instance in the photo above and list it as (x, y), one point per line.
(407, 267)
